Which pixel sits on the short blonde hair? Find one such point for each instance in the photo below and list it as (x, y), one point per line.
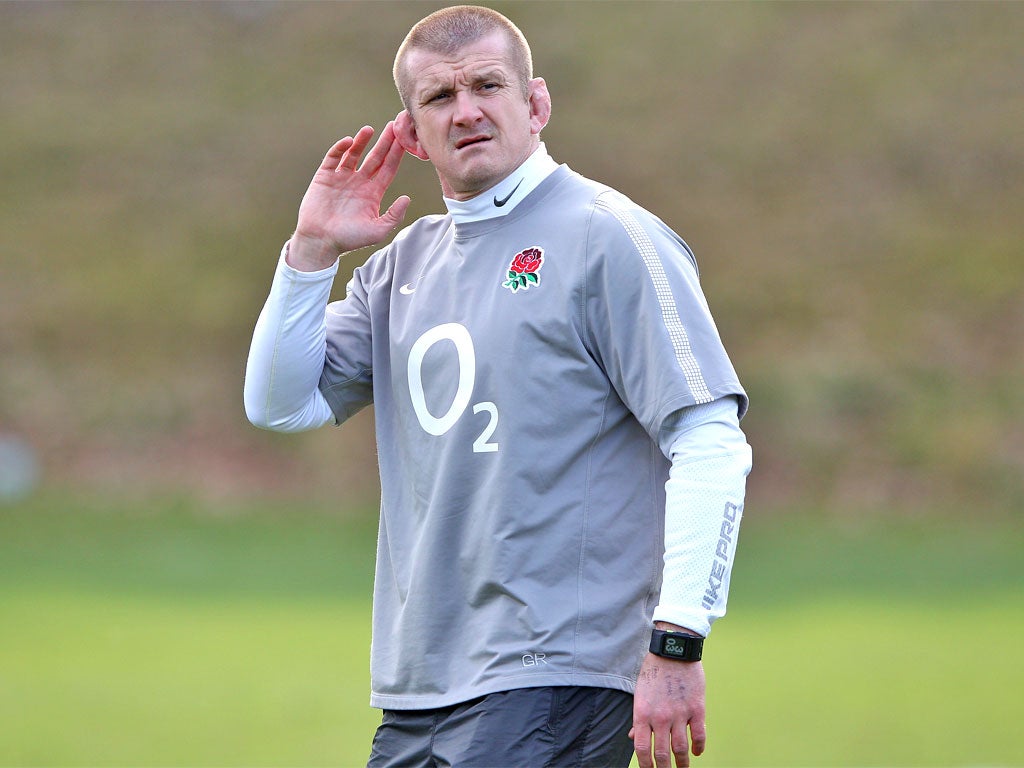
(450, 29)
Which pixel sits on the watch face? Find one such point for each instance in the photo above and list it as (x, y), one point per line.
(673, 646)
(677, 646)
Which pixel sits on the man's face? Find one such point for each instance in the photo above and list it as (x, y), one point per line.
(472, 118)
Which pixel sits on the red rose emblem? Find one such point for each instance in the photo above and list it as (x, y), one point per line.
(527, 261)
(522, 272)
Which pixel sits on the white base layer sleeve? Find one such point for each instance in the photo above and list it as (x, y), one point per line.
(703, 508)
(286, 358)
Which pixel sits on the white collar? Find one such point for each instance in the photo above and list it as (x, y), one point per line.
(500, 199)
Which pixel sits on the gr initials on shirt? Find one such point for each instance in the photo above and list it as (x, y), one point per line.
(466, 359)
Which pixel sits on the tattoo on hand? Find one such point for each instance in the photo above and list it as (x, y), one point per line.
(649, 673)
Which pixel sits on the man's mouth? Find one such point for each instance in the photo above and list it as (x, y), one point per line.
(469, 141)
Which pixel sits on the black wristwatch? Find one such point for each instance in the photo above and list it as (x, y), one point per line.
(676, 645)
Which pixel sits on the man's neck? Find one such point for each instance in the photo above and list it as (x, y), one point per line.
(504, 196)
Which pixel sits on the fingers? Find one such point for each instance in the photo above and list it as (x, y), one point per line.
(698, 735)
(346, 152)
(655, 750)
(385, 157)
(350, 160)
(334, 154)
(642, 746)
(664, 745)
(680, 748)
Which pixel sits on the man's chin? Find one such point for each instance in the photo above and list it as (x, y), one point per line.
(470, 179)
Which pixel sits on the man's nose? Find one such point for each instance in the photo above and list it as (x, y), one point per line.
(467, 110)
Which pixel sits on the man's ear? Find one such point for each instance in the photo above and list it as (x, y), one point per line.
(540, 104)
(405, 132)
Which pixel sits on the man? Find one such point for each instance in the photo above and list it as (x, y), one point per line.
(562, 468)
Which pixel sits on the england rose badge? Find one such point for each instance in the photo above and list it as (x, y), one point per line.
(522, 272)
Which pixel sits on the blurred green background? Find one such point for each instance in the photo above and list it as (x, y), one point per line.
(182, 589)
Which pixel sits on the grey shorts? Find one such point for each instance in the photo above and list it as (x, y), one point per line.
(524, 728)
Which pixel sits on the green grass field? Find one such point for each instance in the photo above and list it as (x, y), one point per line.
(168, 633)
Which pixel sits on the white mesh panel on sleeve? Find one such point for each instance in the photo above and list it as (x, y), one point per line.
(704, 507)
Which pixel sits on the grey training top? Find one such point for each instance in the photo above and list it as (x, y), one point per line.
(521, 368)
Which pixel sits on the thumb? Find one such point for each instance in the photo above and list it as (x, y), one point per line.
(394, 215)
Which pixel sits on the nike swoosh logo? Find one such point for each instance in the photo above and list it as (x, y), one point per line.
(498, 203)
(406, 289)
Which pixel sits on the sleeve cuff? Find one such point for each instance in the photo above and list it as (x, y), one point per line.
(298, 275)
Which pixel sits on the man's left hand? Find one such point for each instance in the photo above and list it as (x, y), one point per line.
(669, 699)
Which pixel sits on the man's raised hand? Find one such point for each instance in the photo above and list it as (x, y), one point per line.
(341, 208)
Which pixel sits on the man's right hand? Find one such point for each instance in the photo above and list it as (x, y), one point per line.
(340, 211)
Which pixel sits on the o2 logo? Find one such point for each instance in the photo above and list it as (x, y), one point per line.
(439, 425)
